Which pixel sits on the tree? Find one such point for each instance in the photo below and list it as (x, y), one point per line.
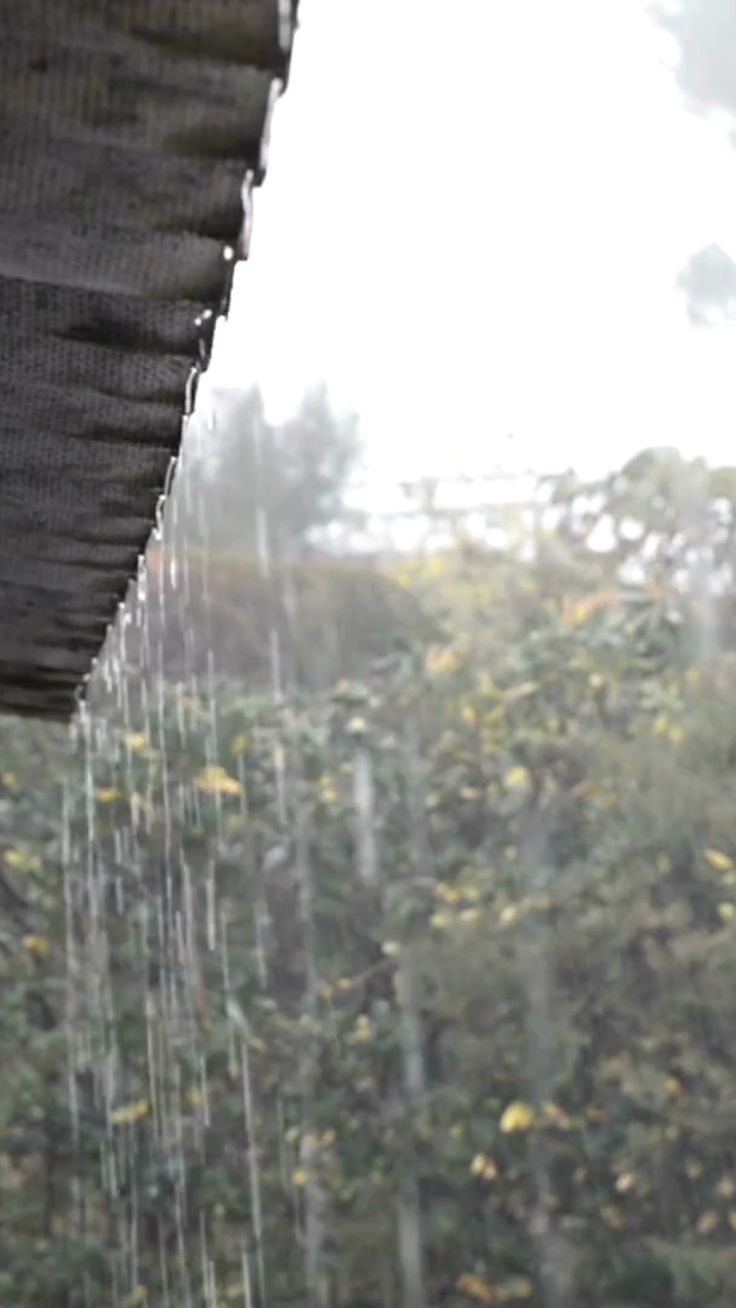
(709, 283)
(705, 31)
(418, 984)
(269, 488)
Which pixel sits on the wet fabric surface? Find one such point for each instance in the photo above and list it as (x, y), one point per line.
(128, 132)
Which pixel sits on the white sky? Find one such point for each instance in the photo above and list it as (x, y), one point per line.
(472, 225)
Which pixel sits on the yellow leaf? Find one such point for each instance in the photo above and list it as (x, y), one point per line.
(511, 1291)
(442, 662)
(300, 1177)
(516, 778)
(138, 1297)
(129, 1113)
(441, 921)
(403, 578)
(138, 742)
(470, 793)
(509, 915)
(240, 745)
(215, 780)
(36, 945)
(328, 792)
(707, 1223)
(476, 1288)
(726, 912)
(586, 790)
(22, 861)
(363, 1031)
(726, 1187)
(484, 1167)
(435, 568)
(9, 779)
(625, 1183)
(719, 861)
(516, 1118)
(576, 611)
(469, 915)
(390, 948)
(523, 691)
(471, 894)
(557, 1116)
(357, 726)
(448, 894)
(107, 794)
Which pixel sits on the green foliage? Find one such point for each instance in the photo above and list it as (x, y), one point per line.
(332, 617)
(448, 948)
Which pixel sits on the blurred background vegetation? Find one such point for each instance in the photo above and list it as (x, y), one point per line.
(381, 952)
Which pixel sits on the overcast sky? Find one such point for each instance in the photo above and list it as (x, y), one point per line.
(473, 223)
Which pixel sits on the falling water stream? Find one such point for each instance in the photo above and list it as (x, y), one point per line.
(190, 932)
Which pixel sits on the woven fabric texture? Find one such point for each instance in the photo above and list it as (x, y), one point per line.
(127, 131)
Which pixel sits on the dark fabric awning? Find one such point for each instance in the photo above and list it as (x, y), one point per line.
(128, 130)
